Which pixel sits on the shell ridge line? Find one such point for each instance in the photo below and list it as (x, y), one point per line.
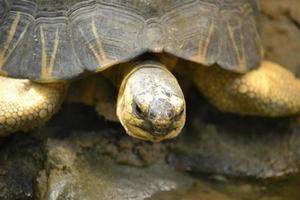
(5, 53)
(47, 67)
(101, 53)
(241, 58)
(89, 45)
(202, 52)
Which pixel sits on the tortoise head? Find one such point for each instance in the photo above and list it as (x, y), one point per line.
(151, 104)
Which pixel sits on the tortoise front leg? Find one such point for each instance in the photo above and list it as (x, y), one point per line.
(270, 90)
(25, 104)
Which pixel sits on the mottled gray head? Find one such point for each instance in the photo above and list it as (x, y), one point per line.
(151, 104)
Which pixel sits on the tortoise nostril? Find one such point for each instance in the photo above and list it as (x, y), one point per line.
(170, 114)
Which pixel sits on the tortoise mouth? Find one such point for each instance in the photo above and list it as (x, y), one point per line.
(156, 131)
(153, 134)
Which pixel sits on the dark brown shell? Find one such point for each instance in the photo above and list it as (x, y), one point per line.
(60, 39)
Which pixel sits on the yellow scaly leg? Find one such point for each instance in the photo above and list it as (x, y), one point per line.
(269, 90)
(25, 104)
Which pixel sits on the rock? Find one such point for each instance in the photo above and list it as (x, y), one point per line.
(21, 159)
(76, 171)
(281, 32)
(198, 191)
(221, 143)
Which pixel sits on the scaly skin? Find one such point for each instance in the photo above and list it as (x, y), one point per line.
(270, 90)
(25, 104)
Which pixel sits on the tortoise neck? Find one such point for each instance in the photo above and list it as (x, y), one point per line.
(139, 65)
(120, 73)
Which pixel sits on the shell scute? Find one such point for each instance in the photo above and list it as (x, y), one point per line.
(58, 40)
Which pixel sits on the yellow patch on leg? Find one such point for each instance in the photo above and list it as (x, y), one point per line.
(25, 104)
(270, 90)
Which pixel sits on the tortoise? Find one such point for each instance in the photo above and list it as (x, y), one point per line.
(138, 45)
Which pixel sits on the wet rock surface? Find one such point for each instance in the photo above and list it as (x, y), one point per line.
(236, 146)
(79, 169)
(225, 189)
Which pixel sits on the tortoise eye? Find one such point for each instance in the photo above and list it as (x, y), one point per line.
(138, 110)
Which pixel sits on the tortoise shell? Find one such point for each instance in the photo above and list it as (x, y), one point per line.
(47, 40)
